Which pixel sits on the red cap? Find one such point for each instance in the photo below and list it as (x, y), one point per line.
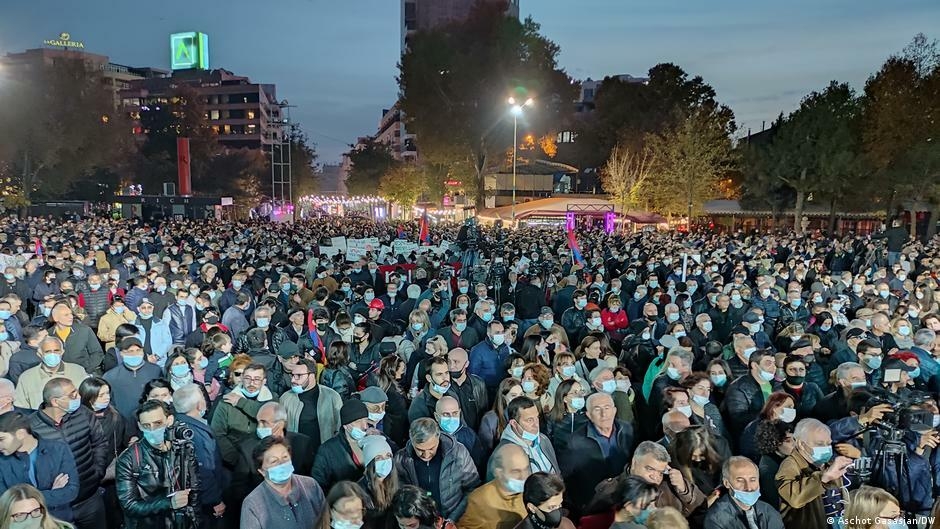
(377, 304)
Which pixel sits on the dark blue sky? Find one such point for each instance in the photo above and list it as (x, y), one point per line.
(336, 59)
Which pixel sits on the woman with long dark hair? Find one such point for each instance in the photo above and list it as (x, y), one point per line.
(567, 415)
(379, 481)
(346, 506)
(495, 420)
(413, 507)
(95, 393)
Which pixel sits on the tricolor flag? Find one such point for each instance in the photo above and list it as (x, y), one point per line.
(401, 232)
(424, 235)
(575, 249)
(317, 341)
(39, 248)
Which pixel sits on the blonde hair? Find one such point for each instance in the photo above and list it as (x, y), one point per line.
(865, 506)
(27, 492)
(667, 518)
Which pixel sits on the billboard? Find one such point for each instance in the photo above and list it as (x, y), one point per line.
(189, 50)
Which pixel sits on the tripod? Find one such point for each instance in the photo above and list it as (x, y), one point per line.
(891, 455)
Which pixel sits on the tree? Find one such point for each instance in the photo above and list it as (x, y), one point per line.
(455, 82)
(689, 161)
(303, 159)
(58, 125)
(402, 185)
(369, 162)
(625, 174)
(901, 121)
(241, 173)
(627, 112)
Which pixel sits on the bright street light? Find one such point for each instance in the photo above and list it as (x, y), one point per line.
(516, 111)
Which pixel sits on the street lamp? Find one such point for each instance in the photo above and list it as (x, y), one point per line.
(516, 110)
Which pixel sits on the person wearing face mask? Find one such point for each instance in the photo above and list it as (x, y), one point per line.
(62, 416)
(575, 317)
(597, 451)
(523, 430)
(341, 457)
(286, 500)
(181, 317)
(499, 503)
(118, 313)
(26, 459)
(746, 395)
(488, 358)
(810, 480)
(448, 415)
(30, 384)
(380, 481)
(740, 507)
(127, 378)
(542, 496)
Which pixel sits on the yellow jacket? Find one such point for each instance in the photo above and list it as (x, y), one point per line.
(109, 323)
(489, 507)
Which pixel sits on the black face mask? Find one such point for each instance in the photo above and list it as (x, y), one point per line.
(456, 374)
(552, 519)
(795, 380)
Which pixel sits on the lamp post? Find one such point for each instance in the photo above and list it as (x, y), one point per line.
(516, 110)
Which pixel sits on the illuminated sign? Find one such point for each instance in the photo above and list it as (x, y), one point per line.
(65, 41)
(189, 50)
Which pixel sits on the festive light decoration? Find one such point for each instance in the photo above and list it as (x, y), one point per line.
(318, 200)
(569, 221)
(610, 222)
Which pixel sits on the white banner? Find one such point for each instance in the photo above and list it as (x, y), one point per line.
(357, 248)
(338, 242)
(403, 247)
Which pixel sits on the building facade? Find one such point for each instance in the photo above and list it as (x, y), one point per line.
(422, 15)
(243, 114)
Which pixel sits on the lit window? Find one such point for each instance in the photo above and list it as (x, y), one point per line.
(227, 129)
(251, 114)
(214, 114)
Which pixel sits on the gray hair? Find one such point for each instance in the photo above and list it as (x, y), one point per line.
(842, 372)
(649, 448)
(54, 389)
(479, 304)
(594, 396)
(280, 412)
(187, 398)
(924, 338)
(598, 371)
(681, 354)
(413, 291)
(53, 339)
(441, 401)
(806, 427)
(262, 311)
(734, 461)
(7, 386)
(423, 430)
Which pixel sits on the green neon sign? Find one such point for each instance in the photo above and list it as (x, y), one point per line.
(189, 50)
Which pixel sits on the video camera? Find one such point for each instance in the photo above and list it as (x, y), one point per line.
(903, 417)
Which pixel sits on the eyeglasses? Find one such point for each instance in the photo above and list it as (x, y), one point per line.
(256, 380)
(21, 516)
(298, 375)
(238, 373)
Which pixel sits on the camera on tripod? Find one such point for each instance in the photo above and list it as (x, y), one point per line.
(179, 433)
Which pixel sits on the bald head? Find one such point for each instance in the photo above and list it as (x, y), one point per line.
(674, 422)
(446, 406)
(510, 463)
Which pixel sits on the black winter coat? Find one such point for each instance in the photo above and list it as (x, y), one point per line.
(459, 476)
(82, 432)
(743, 402)
(144, 481)
(334, 462)
(583, 465)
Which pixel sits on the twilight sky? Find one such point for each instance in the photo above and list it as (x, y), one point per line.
(336, 59)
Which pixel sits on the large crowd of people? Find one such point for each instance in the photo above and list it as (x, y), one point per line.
(217, 374)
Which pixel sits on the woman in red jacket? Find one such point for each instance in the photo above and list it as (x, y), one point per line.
(615, 318)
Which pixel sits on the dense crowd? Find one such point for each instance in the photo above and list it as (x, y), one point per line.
(224, 374)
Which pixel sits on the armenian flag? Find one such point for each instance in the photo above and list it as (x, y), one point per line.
(575, 249)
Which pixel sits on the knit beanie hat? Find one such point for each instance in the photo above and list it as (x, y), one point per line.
(374, 446)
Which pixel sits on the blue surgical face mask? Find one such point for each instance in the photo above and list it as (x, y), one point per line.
(132, 361)
(263, 322)
(822, 454)
(719, 380)
(356, 433)
(643, 516)
(745, 497)
(337, 523)
(873, 362)
(487, 317)
(568, 371)
(250, 394)
(439, 389)
(179, 370)
(297, 389)
(498, 339)
(609, 386)
(383, 468)
(581, 303)
(4, 336)
(263, 433)
(51, 360)
(547, 324)
(515, 486)
(461, 326)
(204, 363)
(5, 315)
(450, 424)
(417, 327)
(155, 437)
(281, 473)
(673, 373)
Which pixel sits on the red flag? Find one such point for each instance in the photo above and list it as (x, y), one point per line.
(424, 237)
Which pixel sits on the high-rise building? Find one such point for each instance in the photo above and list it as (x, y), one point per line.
(422, 15)
(242, 113)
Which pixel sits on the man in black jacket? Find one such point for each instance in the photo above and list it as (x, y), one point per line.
(599, 450)
(740, 507)
(190, 404)
(896, 238)
(745, 396)
(146, 488)
(335, 459)
(62, 417)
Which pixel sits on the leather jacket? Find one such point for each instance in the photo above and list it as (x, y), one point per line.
(144, 479)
